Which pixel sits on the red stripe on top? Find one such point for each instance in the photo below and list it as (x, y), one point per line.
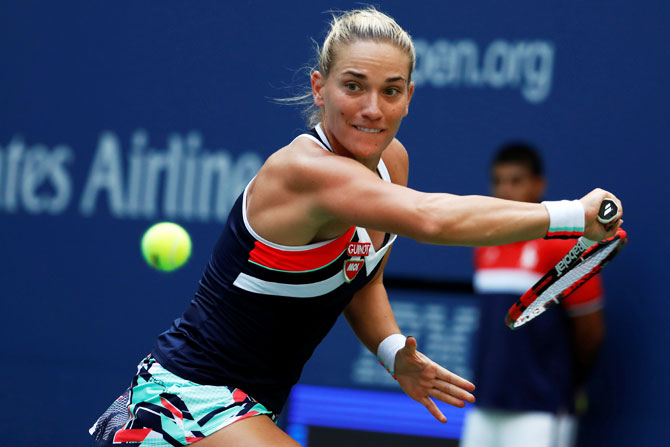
(300, 260)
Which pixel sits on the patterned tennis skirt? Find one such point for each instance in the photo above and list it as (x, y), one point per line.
(160, 409)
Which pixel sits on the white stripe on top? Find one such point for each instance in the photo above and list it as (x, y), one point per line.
(311, 290)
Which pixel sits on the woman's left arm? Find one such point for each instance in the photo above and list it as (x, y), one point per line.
(369, 313)
(370, 316)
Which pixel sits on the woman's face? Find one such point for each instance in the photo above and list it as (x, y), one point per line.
(364, 98)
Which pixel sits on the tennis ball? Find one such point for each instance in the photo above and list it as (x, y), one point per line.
(166, 246)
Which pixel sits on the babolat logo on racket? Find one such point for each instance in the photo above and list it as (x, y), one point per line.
(608, 211)
(358, 248)
(569, 258)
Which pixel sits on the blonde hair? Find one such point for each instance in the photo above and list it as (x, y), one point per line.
(346, 28)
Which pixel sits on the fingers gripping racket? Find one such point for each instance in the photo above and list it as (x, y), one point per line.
(585, 259)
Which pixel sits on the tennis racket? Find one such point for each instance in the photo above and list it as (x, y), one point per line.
(585, 259)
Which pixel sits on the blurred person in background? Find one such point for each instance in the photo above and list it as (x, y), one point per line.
(529, 380)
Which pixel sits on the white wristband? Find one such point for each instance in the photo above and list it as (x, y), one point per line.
(566, 219)
(388, 349)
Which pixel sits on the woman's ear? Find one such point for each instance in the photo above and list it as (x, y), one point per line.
(409, 97)
(317, 81)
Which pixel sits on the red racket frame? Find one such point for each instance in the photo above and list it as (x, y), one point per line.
(517, 309)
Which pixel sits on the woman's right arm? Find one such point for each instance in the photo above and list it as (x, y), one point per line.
(347, 191)
(303, 188)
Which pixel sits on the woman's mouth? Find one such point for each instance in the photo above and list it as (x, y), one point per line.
(367, 129)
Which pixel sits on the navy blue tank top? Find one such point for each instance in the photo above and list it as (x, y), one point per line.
(262, 308)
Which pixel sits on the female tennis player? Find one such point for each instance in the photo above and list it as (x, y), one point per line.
(307, 240)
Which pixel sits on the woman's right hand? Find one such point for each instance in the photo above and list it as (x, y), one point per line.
(593, 229)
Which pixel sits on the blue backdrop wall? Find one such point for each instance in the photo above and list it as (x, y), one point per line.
(116, 115)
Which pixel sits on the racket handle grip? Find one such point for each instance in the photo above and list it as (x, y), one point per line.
(608, 211)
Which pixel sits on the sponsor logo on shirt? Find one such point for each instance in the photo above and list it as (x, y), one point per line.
(351, 268)
(358, 248)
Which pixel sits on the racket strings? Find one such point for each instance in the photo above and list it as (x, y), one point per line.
(576, 273)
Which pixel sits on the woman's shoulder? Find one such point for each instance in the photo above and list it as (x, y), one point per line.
(294, 152)
(396, 160)
(298, 162)
(303, 159)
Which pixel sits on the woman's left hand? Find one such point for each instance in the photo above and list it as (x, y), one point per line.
(421, 378)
